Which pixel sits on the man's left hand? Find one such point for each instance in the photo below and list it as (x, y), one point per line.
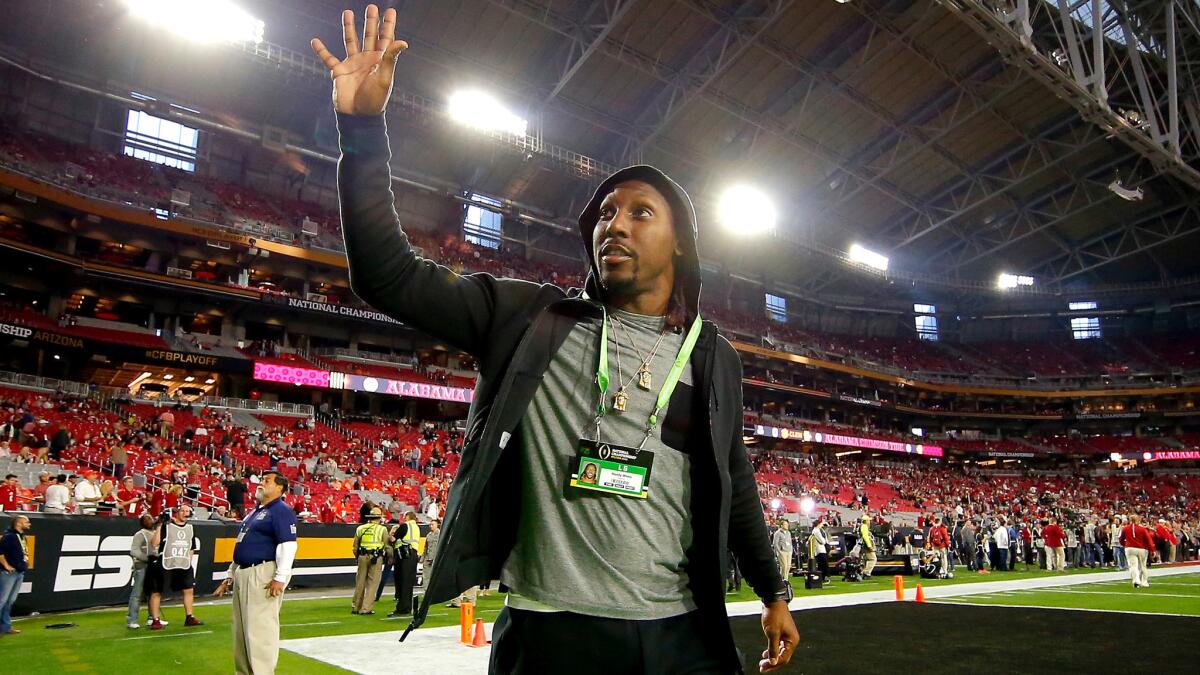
(782, 636)
(275, 588)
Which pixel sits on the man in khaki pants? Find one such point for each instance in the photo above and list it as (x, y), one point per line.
(370, 540)
(782, 543)
(262, 565)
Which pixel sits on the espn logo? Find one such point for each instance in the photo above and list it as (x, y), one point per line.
(89, 562)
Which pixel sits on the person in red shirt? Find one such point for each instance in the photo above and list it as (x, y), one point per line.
(158, 500)
(1054, 536)
(1138, 543)
(1166, 541)
(8, 493)
(129, 499)
(939, 540)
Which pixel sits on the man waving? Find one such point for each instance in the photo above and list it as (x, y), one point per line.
(623, 375)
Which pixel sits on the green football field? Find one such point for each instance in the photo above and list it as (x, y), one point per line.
(99, 642)
(1179, 595)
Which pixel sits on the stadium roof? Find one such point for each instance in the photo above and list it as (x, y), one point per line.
(959, 139)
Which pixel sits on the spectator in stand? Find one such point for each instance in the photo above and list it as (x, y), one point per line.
(235, 494)
(129, 500)
(1053, 536)
(166, 423)
(1138, 543)
(14, 560)
(9, 491)
(60, 442)
(119, 457)
(45, 480)
(141, 550)
(87, 494)
(221, 514)
(58, 495)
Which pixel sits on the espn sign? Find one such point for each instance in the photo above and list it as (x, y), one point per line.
(90, 562)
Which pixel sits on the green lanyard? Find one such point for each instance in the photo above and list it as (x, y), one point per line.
(664, 394)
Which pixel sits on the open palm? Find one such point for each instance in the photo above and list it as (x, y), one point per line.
(362, 82)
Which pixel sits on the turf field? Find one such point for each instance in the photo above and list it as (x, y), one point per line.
(99, 642)
(1179, 595)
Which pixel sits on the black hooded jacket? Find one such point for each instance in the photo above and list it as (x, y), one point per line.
(513, 328)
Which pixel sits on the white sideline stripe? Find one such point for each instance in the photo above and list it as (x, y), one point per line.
(169, 635)
(439, 652)
(1065, 609)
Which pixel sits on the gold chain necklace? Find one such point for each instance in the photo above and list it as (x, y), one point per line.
(643, 376)
(621, 398)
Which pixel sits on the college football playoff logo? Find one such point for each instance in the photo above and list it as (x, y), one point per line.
(604, 452)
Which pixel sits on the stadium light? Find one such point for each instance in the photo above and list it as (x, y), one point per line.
(807, 505)
(201, 20)
(1007, 280)
(482, 111)
(865, 256)
(746, 210)
(776, 504)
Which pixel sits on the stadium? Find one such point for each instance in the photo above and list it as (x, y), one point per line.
(268, 353)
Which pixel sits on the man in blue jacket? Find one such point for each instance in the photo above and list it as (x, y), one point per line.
(622, 375)
(14, 560)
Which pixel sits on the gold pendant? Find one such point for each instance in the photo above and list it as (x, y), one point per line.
(620, 401)
(643, 378)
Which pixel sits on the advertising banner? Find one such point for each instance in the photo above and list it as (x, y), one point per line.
(83, 561)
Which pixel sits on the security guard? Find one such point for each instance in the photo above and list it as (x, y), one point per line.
(407, 537)
(868, 546)
(263, 556)
(369, 541)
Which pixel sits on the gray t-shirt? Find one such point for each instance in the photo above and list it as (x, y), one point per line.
(589, 552)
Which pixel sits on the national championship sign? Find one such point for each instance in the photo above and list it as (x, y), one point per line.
(337, 310)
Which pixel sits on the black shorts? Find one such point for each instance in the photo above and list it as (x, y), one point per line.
(159, 579)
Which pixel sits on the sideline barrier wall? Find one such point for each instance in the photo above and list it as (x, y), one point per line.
(83, 561)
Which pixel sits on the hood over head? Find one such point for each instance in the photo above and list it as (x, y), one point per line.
(687, 269)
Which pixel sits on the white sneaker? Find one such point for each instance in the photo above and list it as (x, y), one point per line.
(162, 621)
(133, 626)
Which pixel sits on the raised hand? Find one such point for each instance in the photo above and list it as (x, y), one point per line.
(362, 82)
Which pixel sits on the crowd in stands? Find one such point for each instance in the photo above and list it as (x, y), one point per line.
(140, 458)
(927, 491)
(280, 217)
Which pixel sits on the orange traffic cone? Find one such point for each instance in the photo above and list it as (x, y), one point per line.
(898, 582)
(480, 635)
(466, 616)
(920, 593)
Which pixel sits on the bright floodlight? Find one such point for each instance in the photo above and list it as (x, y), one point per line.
(746, 210)
(477, 109)
(865, 256)
(1007, 280)
(807, 505)
(201, 20)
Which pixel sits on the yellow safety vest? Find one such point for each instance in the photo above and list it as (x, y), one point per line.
(412, 535)
(868, 541)
(371, 536)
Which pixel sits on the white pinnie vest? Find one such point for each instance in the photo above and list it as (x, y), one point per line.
(177, 547)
